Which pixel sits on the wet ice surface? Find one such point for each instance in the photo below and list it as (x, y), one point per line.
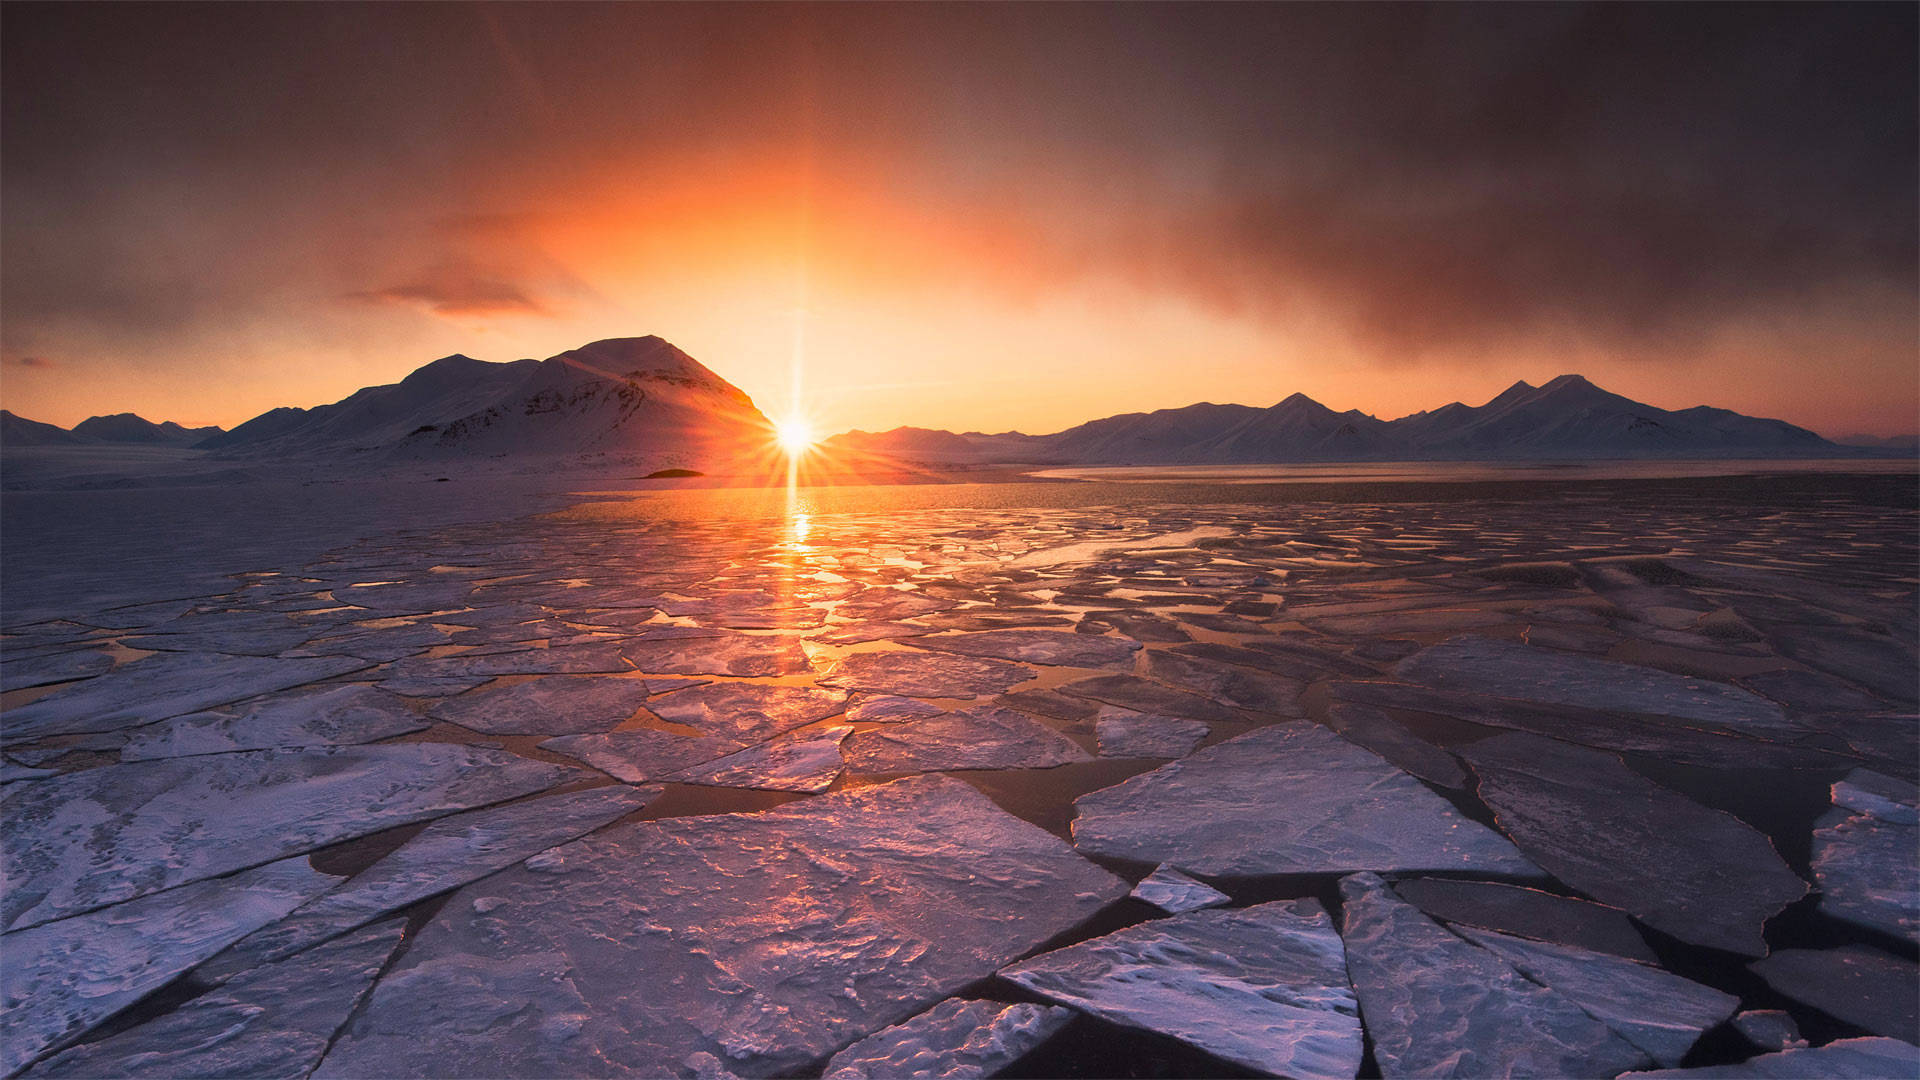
(1681, 725)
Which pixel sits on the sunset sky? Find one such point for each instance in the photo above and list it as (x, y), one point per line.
(971, 217)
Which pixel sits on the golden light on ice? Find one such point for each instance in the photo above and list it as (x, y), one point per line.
(794, 434)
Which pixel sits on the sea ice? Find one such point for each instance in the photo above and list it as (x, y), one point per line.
(1699, 874)
(1655, 1010)
(1509, 669)
(954, 1040)
(18, 672)
(92, 838)
(555, 705)
(1176, 893)
(642, 754)
(1436, 1005)
(925, 674)
(797, 761)
(888, 709)
(1264, 987)
(445, 855)
(1843, 1059)
(1036, 647)
(983, 737)
(1367, 726)
(1147, 696)
(680, 650)
(62, 978)
(1863, 986)
(1293, 798)
(1515, 909)
(1125, 733)
(1866, 855)
(272, 1022)
(1258, 691)
(1769, 1029)
(311, 716)
(747, 712)
(783, 936)
(161, 686)
(1881, 664)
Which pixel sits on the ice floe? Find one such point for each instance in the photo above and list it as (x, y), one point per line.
(806, 761)
(1293, 798)
(559, 705)
(164, 685)
(954, 1040)
(312, 716)
(1174, 892)
(784, 936)
(1843, 1059)
(1264, 987)
(1036, 647)
(97, 837)
(1866, 855)
(1367, 726)
(1696, 873)
(925, 674)
(747, 712)
(641, 754)
(1863, 986)
(1515, 909)
(1125, 733)
(983, 737)
(695, 651)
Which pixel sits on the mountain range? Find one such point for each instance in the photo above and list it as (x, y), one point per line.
(1568, 418)
(643, 398)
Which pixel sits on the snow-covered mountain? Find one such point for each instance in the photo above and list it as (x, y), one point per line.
(624, 396)
(1568, 418)
(125, 428)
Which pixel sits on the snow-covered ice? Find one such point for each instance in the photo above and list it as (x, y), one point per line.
(1175, 893)
(311, 716)
(955, 1040)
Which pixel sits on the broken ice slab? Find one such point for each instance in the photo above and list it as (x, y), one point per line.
(1515, 909)
(1147, 696)
(62, 978)
(555, 705)
(311, 716)
(164, 685)
(1436, 1005)
(1881, 664)
(1372, 728)
(1658, 736)
(1866, 855)
(20, 671)
(746, 712)
(274, 1022)
(862, 632)
(1264, 987)
(1293, 798)
(1175, 893)
(954, 1040)
(925, 674)
(1258, 691)
(888, 709)
(642, 754)
(1843, 1059)
(1655, 1010)
(784, 935)
(92, 838)
(1769, 1029)
(806, 761)
(381, 643)
(1702, 875)
(445, 855)
(1508, 669)
(1036, 647)
(559, 660)
(983, 737)
(1863, 986)
(1125, 733)
(1812, 691)
(686, 650)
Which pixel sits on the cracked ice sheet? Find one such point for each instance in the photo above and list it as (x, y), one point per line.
(1870, 989)
(1509, 669)
(273, 1022)
(555, 705)
(642, 754)
(445, 855)
(925, 674)
(983, 737)
(1293, 798)
(18, 671)
(1523, 912)
(1125, 733)
(1063, 648)
(1866, 855)
(806, 761)
(785, 935)
(165, 685)
(1702, 875)
(1439, 1006)
(747, 712)
(88, 839)
(1265, 986)
(954, 1040)
(685, 650)
(314, 716)
(1175, 893)
(1865, 1058)
(1655, 1010)
(62, 978)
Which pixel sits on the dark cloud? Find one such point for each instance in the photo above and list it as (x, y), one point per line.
(33, 362)
(457, 294)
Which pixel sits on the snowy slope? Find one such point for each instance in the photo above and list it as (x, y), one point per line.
(20, 431)
(131, 428)
(378, 417)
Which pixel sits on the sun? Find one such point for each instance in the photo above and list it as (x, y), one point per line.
(794, 434)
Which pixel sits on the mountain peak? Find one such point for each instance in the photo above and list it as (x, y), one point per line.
(1559, 381)
(1297, 400)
